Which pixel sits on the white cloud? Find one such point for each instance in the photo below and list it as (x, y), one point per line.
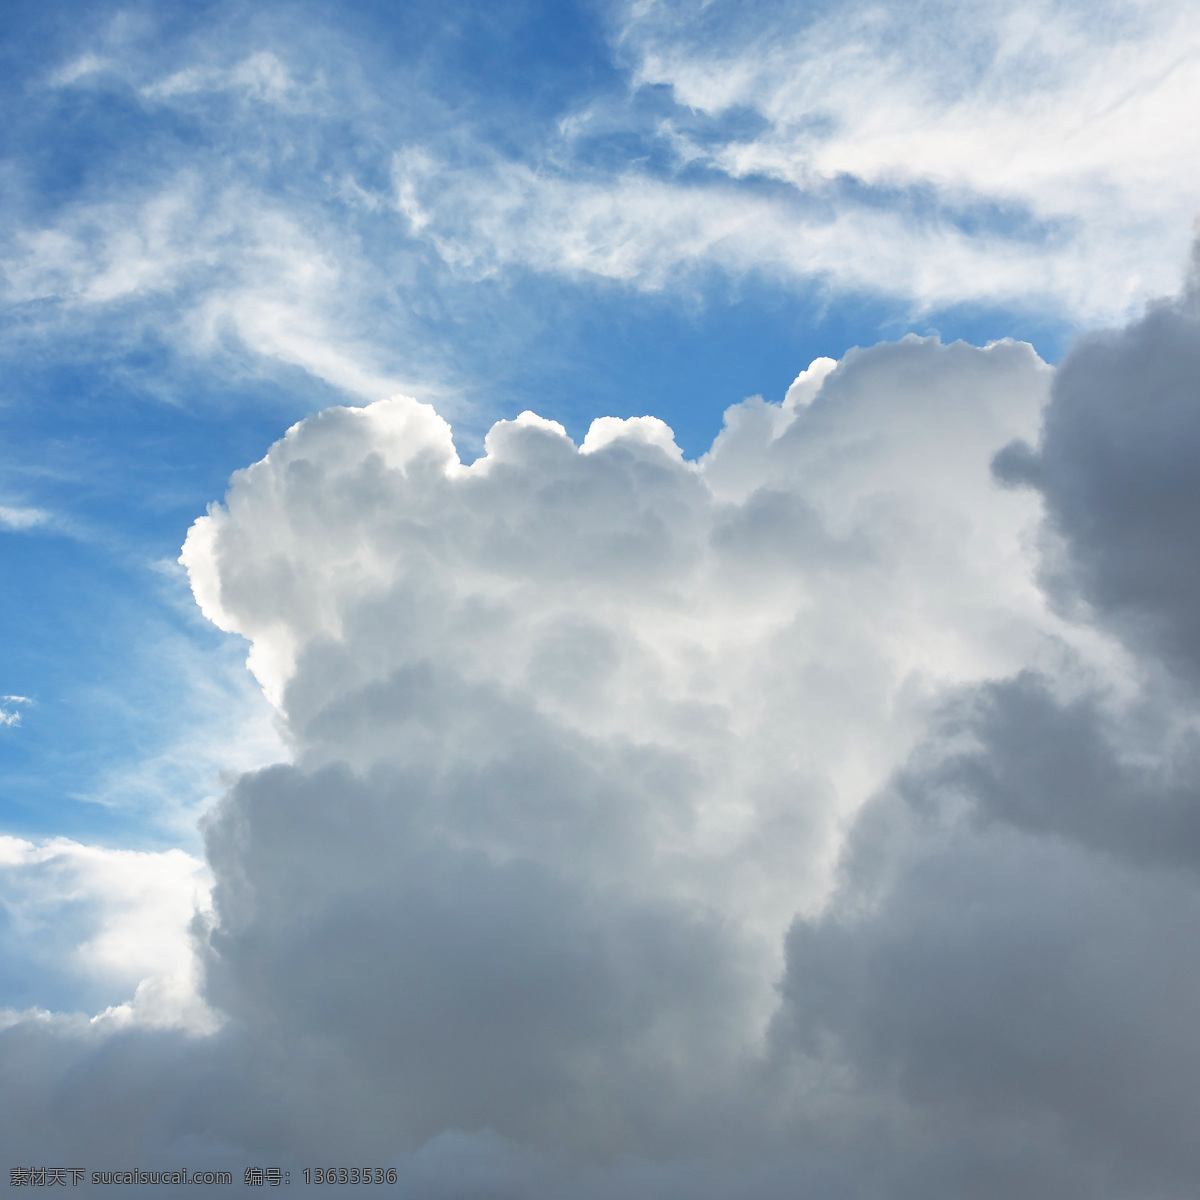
(581, 733)
(304, 575)
(22, 517)
(8, 714)
(110, 920)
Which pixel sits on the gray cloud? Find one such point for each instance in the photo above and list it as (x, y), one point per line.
(1009, 1013)
(1126, 782)
(1116, 466)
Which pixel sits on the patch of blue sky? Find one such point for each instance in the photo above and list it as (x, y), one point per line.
(96, 625)
(129, 698)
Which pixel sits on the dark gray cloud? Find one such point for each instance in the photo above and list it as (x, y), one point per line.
(1124, 779)
(1116, 465)
(1006, 980)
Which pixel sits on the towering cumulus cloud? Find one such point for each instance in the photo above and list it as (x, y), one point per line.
(814, 819)
(575, 727)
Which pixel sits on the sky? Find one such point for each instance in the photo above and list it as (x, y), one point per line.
(598, 600)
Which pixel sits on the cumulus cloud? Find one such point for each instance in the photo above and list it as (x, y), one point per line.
(817, 817)
(575, 729)
(641, 607)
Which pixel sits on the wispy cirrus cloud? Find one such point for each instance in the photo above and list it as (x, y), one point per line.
(1048, 123)
(321, 212)
(216, 267)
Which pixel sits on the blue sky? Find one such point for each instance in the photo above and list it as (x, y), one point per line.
(220, 219)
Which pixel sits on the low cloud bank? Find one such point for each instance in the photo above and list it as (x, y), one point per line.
(818, 818)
